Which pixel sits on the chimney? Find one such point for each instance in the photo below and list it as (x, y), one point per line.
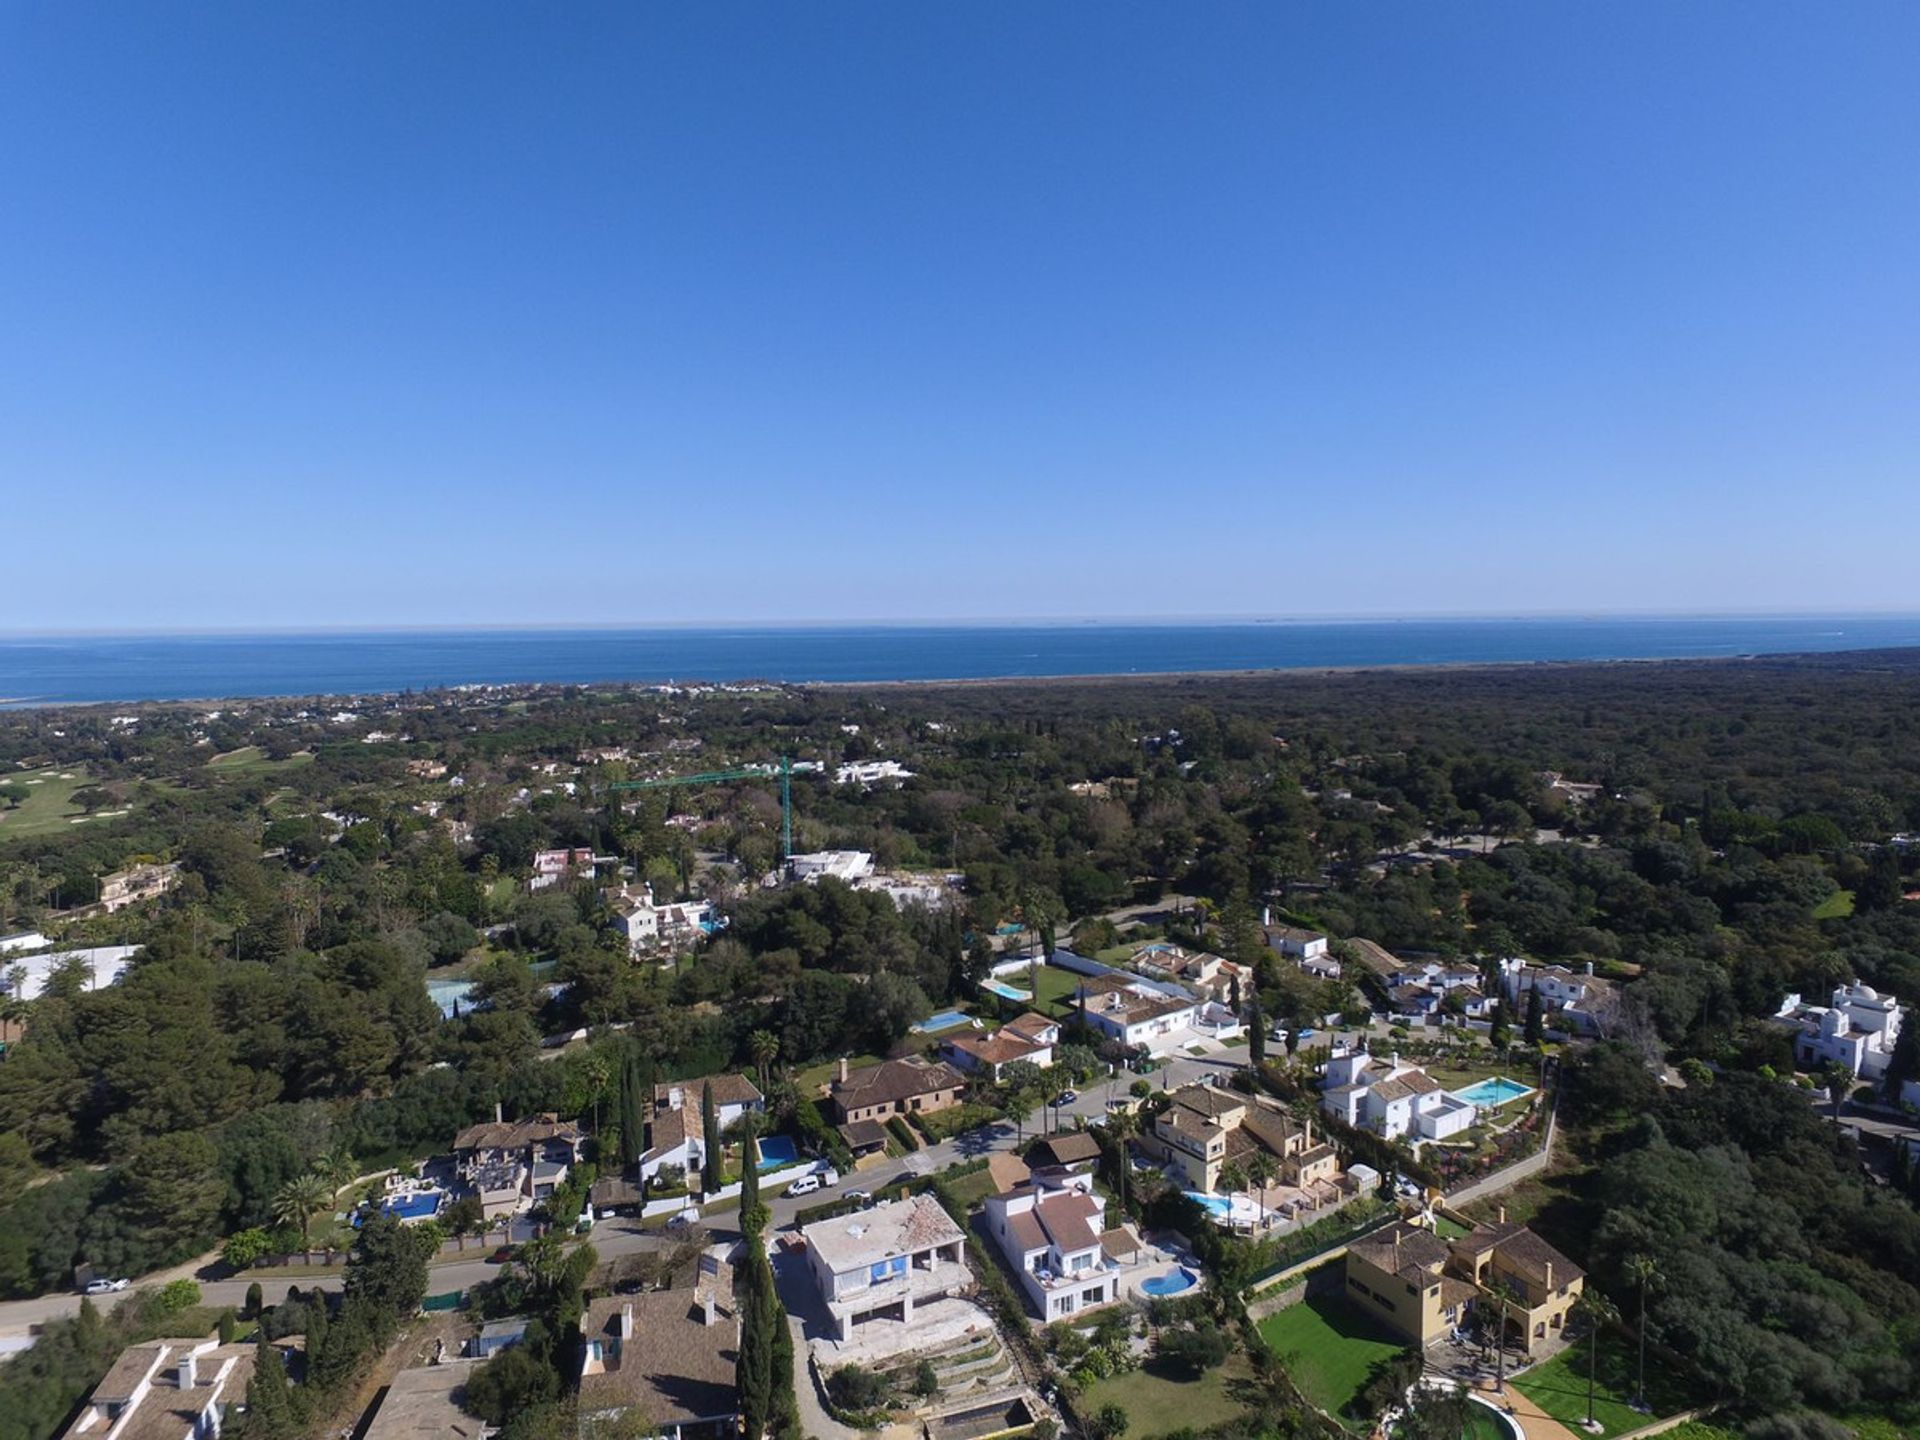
(1549, 1275)
(626, 1321)
(187, 1371)
(1266, 915)
(1589, 967)
(1502, 1213)
(707, 1315)
(840, 1070)
(499, 1113)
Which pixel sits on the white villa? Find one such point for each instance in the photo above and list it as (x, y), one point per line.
(878, 1264)
(1053, 1232)
(675, 1134)
(1031, 1037)
(1858, 1029)
(1391, 1098)
(846, 865)
(1571, 998)
(1135, 1014)
(651, 927)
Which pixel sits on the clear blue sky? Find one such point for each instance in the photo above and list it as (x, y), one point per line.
(332, 313)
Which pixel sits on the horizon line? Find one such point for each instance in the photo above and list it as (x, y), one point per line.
(944, 622)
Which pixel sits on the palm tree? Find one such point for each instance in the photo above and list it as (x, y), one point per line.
(1502, 1297)
(299, 1200)
(1596, 1312)
(1262, 1171)
(765, 1046)
(1642, 1271)
(1837, 1078)
(336, 1167)
(1233, 1180)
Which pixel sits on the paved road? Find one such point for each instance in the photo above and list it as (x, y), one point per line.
(614, 1238)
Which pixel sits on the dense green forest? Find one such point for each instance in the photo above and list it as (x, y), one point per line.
(1741, 844)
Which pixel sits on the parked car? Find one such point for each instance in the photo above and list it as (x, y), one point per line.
(860, 1198)
(107, 1287)
(1065, 1097)
(805, 1185)
(682, 1219)
(501, 1256)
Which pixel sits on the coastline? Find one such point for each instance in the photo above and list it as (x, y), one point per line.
(975, 682)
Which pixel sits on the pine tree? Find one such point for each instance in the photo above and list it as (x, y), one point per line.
(271, 1404)
(712, 1168)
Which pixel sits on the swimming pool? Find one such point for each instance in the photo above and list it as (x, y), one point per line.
(450, 995)
(1004, 990)
(1171, 1283)
(945, 1020)
(1489, 1094)
(775, 1151)
(420, 1205)
(1218, 1206)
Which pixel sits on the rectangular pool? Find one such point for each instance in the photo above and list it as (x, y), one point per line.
(775, 1151)
(1493, 1093)
(945, 1020)
(420, 1205)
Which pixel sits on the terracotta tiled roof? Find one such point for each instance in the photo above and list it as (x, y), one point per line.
(893, 1080)
(727, 1090)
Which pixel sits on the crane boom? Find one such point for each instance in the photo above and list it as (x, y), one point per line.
(716, 777)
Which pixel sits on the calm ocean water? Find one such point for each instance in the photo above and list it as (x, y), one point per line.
(64, 669)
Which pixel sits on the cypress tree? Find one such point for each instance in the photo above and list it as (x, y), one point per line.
(753, 1215)
(753, 1371)
(636, 1102)
(781, 1401)
(712, 1171)
(1536, 1017)
(1257, 1032)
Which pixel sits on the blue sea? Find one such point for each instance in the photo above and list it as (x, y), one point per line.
(67, 669)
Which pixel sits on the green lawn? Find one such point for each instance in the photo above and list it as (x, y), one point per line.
(1837, 906)
(1559, 1387)
(1054, 986)
(1330, 1346)
(252, 760)
(1159, 1405)
(47, 808)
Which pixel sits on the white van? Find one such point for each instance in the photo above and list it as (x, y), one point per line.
(805, 1185)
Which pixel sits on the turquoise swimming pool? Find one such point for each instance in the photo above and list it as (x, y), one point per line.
(1493, 1093)
(1171, 1283)
(945, 1020)
(775, 1151)
(1004, 990)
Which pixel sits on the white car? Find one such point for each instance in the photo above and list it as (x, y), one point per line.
(682, 1219)
(805, 1185)
(106, 1287)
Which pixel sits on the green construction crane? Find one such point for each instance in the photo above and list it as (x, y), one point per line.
(745, 772)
